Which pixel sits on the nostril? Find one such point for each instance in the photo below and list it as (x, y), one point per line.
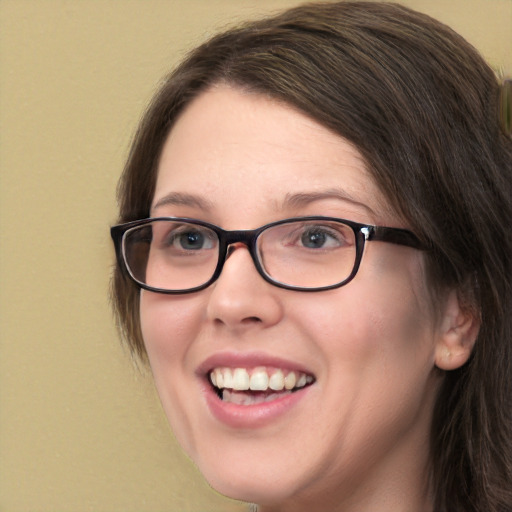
(252, 320)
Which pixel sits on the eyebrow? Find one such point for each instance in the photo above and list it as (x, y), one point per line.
(296, 200)
(302, 199)
(183, 199)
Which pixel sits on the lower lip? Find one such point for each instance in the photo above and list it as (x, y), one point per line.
(251, 416)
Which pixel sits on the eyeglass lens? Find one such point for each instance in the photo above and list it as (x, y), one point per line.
(176, 255)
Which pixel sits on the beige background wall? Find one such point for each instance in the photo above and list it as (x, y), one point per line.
(80, 428)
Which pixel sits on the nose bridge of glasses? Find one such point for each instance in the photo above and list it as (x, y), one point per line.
(232, 239)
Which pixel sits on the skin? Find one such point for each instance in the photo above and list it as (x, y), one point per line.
(358, 438)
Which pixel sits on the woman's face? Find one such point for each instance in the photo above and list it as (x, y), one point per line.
(240, 160)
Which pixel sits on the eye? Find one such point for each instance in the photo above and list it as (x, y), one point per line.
(190, 239)
(311, 236)
(321, 237)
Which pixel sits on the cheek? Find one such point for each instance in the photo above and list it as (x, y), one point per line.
(382, 321)
(355, 324)
(398, 308)
(167, 323)
(375, 348)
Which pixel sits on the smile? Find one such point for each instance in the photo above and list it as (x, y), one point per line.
(243, 386)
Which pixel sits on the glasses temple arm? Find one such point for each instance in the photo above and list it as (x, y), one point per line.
(393, 235)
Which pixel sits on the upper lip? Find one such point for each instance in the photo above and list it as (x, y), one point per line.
(249, 360)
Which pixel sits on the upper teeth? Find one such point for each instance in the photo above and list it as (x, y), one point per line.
(258, 379)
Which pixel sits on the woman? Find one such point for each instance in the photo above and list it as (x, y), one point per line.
(325, 298)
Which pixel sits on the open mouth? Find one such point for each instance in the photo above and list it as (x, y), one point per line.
(244, 386)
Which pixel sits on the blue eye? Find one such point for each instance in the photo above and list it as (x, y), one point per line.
(191, 240)
(313, 239)
(318, 237)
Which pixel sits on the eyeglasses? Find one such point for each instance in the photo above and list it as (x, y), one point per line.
(180, 255)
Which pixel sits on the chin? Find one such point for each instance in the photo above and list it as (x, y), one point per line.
(251, 492)
(264, 488)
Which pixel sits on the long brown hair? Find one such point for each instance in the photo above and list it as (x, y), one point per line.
(422, 107)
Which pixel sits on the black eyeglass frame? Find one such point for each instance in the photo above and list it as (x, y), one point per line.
(363, 233)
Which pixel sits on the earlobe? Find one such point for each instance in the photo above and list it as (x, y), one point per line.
(457, 334)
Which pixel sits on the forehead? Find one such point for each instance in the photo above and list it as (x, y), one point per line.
(232, 147)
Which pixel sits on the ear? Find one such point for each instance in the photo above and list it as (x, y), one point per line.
(458, 332)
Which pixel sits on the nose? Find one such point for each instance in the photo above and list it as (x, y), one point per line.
(241, 298)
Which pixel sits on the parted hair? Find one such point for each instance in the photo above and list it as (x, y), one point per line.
(422, 107)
